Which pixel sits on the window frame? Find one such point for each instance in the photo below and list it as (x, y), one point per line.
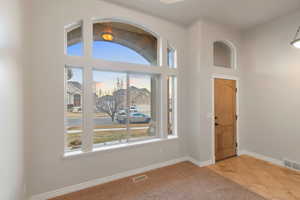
(87, 63)
(233, 55)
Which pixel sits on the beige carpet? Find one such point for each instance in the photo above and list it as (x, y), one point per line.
(183, 181)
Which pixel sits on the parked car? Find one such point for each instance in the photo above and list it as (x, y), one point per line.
(76, 109)
(133, 109)
(134, 117)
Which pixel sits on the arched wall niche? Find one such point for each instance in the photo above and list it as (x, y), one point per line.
(224, 54)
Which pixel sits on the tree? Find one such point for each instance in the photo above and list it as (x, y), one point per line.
(112, 101)
(69, 74)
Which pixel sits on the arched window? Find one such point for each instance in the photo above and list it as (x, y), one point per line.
(108, 103)
(122, 42)
(224, 55)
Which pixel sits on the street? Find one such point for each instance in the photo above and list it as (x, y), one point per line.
(97, 121)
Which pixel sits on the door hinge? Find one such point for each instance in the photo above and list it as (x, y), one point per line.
(235, 89)
(236, 117)
(236, 145)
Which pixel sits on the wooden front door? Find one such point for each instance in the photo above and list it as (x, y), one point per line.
(225, 118)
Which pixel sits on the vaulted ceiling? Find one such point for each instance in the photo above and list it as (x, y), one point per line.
(241, 14)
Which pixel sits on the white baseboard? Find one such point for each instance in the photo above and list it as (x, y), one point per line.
(88, 184)
(81, 186)
(194, 161)
(262, 157)
(206, 163)
(199, 163)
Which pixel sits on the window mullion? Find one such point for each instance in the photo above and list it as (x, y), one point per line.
(153, 103)
(163, 53)
(128, 136)
(175, 104)
(87, 37)
(88, 95)
(88, 111)
(164, 106)
(156, 104)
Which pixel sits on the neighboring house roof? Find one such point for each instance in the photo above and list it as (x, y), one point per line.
(137, 95)
(74, 87)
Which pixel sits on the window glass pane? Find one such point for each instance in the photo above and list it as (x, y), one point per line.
(142, 106)
(124, 107)
(171, 58)
(171, 105)
(110, 120)
(74, 41)
(116, 41)
(222, 55)
(73, 108)
(116, 52)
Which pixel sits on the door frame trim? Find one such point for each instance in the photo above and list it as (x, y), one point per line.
(227, 77)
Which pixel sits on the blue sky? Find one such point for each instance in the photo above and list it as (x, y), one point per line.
(109, 51)
(113, 52)
(106, 81)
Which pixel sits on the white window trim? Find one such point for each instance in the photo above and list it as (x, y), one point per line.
(79, 153)
(233, 55)
(88, 63)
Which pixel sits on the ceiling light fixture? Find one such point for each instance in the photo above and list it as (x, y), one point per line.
(296, 41)
(107, 36)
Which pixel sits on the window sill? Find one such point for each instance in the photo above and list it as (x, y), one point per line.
(74, 154)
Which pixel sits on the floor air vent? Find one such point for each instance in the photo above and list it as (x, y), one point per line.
(292, 165)
(139, 178)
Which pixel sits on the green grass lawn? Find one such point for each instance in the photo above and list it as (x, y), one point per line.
(110, 126)
(73, 140)
(79, 115)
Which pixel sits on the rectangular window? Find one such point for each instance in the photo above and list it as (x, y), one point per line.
(73, 108)
(171, 58)
(172, 98)
(124, 107)
(74, 46)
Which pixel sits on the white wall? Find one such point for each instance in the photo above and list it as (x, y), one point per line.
(11, 100)
(268, 95)
(202, 34)
(47, 169)
(272, 83)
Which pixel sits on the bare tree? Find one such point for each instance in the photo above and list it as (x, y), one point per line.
(69, 74)
(112, 101)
